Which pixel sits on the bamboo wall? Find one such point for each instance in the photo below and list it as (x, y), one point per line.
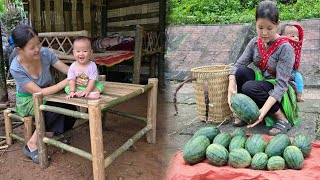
(98, 17)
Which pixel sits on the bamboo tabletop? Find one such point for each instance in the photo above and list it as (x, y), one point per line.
(112, 91)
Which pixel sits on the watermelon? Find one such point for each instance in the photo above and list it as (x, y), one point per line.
(255, 143)
(276, 163)
(245, 108)
(223, 138)
(238, 132)
(293, 157)
(304, 144)
(217, 155)
(259, 161)
(195, 149)
(237, 142)
(239, 158)
(277, 144)
(210, 132)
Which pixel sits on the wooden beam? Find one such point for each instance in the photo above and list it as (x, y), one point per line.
(64, 111)
(152, 110)
(48, 16)
(87, 16)
(28, 127)
(96, 139)
(162, 27)
(40, 130)
(138, 40)
(8, 125)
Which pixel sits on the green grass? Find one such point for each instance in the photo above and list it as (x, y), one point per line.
(233, 11)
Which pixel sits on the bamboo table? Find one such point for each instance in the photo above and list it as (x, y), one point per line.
(113, 94)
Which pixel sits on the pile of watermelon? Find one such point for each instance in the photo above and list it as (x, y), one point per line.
(238, 151)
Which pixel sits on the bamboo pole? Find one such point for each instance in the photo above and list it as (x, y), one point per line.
(127, 115)
(14, 136)
(8, 125)
(126, 97)
(126, 146)
(152, 110)
(64, 34)
(28, 128)
(96, 139)
(63, 111)
(37, 17)
(74, 15)
(48, 16)
(59, 21)
(162, 24)
(67, 147)
(87, 15)
(40, 130)
(138, 40)
(152, 73)
(16, 117)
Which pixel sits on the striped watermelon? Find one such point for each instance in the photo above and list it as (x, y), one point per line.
(255, 143)
(217, 155)
(223, 138)
(239, 132)
(239, 158)
(304, 144)
(277, 144)
(259, 161)
(293, 157)
(195, 150)
(276, 163)
(210, 132)
(237, 142)
(245, 108)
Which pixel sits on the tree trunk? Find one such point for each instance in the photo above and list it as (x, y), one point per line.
(3, 83)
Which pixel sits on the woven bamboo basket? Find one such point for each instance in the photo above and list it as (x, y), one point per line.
(211, 91)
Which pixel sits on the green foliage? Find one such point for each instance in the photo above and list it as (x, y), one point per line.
(12, 15)
(1, 6)
(235, 11)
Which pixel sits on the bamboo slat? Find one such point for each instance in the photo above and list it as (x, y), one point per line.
(47, 16)
(59, 20)
(87, 15)
(63, 111)
(67, 147)
(74, 15)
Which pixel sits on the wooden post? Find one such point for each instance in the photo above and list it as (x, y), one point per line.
(87, 16)
(37, 18)
(40, 130)
(152, 110)
(137, 54)
(96, 138)
(8, 125)
(152, 72)
(48, 16)
(28, 128)
(162, 24)
(74, 15)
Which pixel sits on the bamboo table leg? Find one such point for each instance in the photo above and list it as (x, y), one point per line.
(40, 130)
(28, 128)
(96, 139)
(152, 110)
(8, 126)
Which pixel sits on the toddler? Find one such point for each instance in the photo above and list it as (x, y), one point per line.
(295, 34)
(85, 69)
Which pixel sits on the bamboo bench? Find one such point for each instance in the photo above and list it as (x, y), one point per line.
(113, 94)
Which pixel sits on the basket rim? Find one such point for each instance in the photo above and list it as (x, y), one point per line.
(200, 68)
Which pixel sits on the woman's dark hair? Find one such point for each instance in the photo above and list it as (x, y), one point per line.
(267, 9)
(22, 34)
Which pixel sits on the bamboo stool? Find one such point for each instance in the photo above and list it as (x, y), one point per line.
(9, 115)
(113, 94)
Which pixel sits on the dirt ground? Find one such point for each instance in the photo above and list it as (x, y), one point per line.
(141, 161)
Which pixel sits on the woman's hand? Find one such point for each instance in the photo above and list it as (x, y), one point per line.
(81, 81)
(262, 113)
(231, 89)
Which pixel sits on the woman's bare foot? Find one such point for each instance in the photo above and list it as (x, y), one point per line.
(299, 97)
